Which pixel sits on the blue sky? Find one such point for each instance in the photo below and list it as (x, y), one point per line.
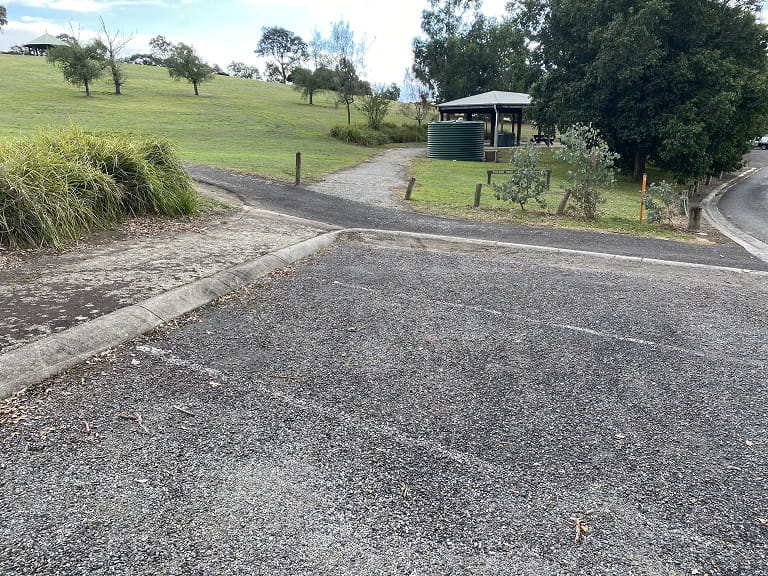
(226, 30)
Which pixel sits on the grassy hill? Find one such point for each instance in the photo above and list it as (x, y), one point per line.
(235, 123)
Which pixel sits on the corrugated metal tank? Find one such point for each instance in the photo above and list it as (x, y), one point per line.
(456, 140)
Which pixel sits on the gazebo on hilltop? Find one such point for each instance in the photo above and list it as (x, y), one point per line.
(40, 45)
(495, 104)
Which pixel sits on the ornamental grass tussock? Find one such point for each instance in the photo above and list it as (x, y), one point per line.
(61, 183)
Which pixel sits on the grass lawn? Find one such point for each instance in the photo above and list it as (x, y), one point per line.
(258, 127)
(448, 187)
(235, 123)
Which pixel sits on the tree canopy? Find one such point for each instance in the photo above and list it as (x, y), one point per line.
(463, 52)
(3, 17)
(310, 82)
(286, 50)
(184, 63)
(679, 82)
(80, 64)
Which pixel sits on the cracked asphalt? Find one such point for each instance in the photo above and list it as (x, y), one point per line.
(397, 407)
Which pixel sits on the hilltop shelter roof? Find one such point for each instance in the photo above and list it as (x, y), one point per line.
(42, 44)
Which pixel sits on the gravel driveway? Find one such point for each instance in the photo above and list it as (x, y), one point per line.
(386, 410)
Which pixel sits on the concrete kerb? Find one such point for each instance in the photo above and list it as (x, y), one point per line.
(757, 248)
(47, 357)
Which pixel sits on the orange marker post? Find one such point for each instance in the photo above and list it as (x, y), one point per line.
(642, 195)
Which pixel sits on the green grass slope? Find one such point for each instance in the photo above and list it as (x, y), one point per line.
(235, 123)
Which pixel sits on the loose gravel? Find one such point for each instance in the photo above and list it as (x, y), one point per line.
(383, 410)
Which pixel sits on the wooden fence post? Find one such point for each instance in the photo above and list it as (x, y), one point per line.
(478, 190)
(298, 168)
(408, 190)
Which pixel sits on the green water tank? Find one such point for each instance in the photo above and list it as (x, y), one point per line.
(456, 140)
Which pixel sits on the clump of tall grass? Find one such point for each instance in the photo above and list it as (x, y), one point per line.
(61, 183)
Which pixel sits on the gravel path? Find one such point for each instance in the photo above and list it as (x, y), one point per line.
(384, 410)
(379, 182)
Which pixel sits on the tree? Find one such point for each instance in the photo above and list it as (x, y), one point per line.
(114, 44)
(592, 170)
(418, 105)
(392, 92)
(464, 52)
(80, 64)
(527, 182)
(345, 56)
(161, 49)
(3, 17)
(681, 83)
(242, 70)
(310, 82)
(285, 48)
(375, 106)
(184, 63)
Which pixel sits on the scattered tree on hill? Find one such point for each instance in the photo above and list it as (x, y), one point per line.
(311, 82)
(161, 49)
(3, 17)
(242, 70)
(346, 56)
(114, 44)
(184, 63)
(286, 49)
(392, 92)
(417, 105)
(375, 105)
(80, 64)
(681, 83)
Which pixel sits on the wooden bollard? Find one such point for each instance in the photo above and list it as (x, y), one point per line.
(409, 190)
(298, 168)
(478, 190)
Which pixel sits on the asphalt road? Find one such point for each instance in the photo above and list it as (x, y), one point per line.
(745, 205)
(346, 213)
(386, 410)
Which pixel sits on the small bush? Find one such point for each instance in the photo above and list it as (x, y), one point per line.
(61, 183)
(388, 134)
(661, 202)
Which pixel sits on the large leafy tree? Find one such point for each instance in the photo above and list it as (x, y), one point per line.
(80, 64)
(3, 17)
(185, 64)
(677, 82)
(463, 52)
(285, 49)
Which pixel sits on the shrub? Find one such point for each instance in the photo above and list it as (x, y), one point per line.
(61, 183)
(363, 135)
(661, 202)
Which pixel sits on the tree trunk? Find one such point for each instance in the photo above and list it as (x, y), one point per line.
(310, 97)
(640, 159)
(349, 115)
(563, 202)
(195, 85)
(87, 89)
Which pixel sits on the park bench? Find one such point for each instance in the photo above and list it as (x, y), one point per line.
(539, 139)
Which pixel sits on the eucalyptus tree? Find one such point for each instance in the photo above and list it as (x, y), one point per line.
(80, 64)
(285, 50)
(185, 64)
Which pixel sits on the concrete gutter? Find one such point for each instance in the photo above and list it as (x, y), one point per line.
(49, 356)
(756, 247)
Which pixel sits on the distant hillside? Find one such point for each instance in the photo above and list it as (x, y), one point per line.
(235, 123)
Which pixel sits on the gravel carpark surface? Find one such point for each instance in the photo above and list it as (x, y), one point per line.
(386, 410)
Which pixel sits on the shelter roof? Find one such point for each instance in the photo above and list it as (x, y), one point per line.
(46, 40)
(489, 100)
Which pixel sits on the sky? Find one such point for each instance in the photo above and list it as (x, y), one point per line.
(229, 30)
